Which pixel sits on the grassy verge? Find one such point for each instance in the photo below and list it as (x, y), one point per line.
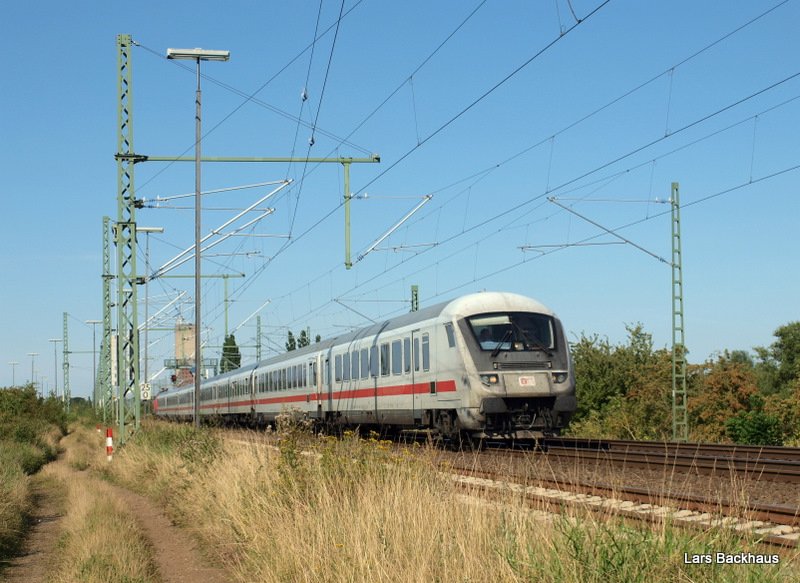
(100, 541)
(317, 509)
(30, 429)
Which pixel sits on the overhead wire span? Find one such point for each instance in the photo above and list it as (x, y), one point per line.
(575, 123)
(560, 248)
(251, 97)
(425, 200)
(169, 264)
(441, 128)
(484, 95)
(611, 232)
(207, 192)
(316, 119)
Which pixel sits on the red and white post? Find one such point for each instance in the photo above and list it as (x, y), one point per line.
(109, 443)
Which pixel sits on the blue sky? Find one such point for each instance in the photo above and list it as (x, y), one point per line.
(723, 124)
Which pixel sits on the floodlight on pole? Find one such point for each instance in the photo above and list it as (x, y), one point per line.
(197, 55)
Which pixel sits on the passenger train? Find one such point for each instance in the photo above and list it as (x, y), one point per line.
(483, 366)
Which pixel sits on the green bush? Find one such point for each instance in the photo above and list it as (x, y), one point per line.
(754, 428)
(25, 421)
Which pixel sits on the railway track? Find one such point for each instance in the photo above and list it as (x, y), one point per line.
(754, 462)
(772, 525)
(648, 481)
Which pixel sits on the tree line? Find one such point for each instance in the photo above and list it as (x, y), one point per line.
(624, 391)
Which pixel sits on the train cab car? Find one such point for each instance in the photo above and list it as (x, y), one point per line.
(523, 384)
(485, 365)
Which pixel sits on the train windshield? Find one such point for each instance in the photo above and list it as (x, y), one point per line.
(513, 331)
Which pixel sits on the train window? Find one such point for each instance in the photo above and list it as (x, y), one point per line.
(337, 367)
(451, 336)
(364, 363)
(346, 367)
(326, 371)
(373, 361)
(385, 359)
(426, 353)
(397, 357)
(513, 331)
(312, 366)
(416, 354)
(407, 355)
(355, 364)
(283, 379)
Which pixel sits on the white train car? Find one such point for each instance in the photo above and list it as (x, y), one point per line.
(485, 365)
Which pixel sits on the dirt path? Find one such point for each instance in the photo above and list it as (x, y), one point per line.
(33, 564)
(174, 552)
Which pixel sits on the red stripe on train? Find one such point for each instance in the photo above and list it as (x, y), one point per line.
(392, 391)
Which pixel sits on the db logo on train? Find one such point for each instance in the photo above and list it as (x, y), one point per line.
(527, 381)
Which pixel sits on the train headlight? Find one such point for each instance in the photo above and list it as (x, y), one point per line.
(490, 379)
(559, 377)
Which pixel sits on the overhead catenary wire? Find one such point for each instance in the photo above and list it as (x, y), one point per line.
(251, 97)
(293, 240)
(515, 208)
(508, 211)
(719, 40)
(316, 120)
(452, 119)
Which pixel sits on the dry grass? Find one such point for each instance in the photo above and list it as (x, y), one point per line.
(14, 505)
(100, 541)
(323, 510)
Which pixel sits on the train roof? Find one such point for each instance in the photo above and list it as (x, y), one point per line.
(460, 307)
(457, 308)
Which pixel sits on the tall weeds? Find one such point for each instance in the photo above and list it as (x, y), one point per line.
(305, 508)
(100, 540)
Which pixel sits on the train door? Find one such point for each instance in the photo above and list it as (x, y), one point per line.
(327, 380)
(315, 382)
(415, 410)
